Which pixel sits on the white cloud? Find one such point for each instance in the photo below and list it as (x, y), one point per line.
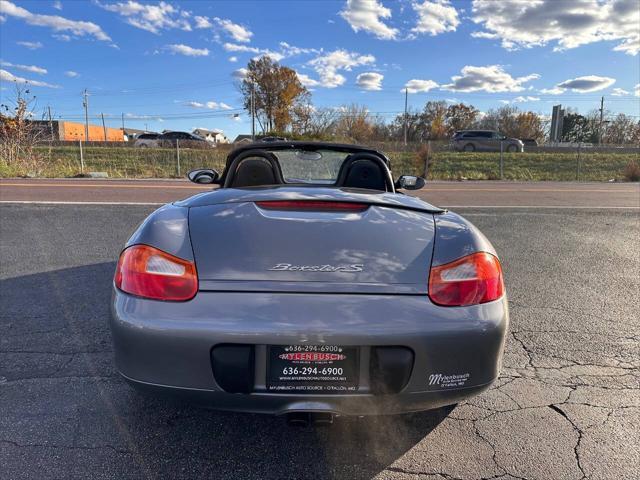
(234, 47)
(491, 78)
(567, 24)
(285, 51)
(57, 5)
(233, 59)
(367, 15)
(202, 22)
(30, 45)
(238, 32)
(435, 17)
(62, 37)
(370, 81)
(211, 105)
(521, 99)
(6, 76)
(636, 90)
(620, 92)
(552, 91)
(328, 65)
(586, 84)
(290, 50)
(416, 86)
(152, 18)
(71, 74)
(186, 50)
(240, 74)
(307, 81)
(25, 68)
(55, 22)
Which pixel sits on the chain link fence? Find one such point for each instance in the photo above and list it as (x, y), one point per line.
(433, 160)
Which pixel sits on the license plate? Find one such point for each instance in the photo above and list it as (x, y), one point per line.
(312, 368)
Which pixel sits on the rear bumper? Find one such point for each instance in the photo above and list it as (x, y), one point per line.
(166, 347)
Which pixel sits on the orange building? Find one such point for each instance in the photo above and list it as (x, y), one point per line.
(75, 131)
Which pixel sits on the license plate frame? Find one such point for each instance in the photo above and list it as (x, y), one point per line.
(322, 369)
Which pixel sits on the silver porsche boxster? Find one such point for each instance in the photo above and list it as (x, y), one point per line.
(307, 283)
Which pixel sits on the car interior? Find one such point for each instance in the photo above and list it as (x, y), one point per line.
(260, 168)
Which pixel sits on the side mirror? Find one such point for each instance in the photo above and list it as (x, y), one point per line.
(409, 182)
(203, 176)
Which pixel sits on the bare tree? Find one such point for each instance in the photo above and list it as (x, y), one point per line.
(18, 135)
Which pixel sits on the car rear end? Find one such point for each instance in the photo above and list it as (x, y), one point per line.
(279, 305)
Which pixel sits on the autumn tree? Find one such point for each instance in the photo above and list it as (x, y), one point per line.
(276, 91)
(513, 122)
(354, 123)
(434, 118)
(460, 117)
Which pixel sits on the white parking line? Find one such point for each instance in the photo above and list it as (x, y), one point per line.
(569, 207)
(54, 202)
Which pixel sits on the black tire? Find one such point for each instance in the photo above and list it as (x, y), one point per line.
(512, 149)
(469, 147)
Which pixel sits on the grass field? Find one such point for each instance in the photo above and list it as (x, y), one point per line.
(121, 162)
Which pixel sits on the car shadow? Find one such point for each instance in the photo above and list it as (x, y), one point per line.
(60, 390)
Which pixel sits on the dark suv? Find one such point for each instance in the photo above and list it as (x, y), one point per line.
(184, 139)
(484, 141)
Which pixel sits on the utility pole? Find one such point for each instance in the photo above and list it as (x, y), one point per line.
(253, 114)
(104, 129)
(601, 118)
(85, 104)
(406, 98)
(122, 116)
(50, 122)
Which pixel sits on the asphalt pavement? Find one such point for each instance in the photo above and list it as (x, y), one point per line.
(567, 404)
(451, 194)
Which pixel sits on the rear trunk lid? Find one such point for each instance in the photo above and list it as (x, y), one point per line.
(240, 245)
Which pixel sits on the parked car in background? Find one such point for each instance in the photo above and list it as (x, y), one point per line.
(484, 141)
(184, 139)
(146, 140)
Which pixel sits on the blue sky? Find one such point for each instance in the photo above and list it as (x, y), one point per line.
(175, 65)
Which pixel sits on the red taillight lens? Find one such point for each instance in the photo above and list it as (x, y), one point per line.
(318, 205)
(151, 273)
(469, 280)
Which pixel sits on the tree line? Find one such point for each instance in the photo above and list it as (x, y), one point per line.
(283, 106)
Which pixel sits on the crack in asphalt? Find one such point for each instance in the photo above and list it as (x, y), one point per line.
(576, 448)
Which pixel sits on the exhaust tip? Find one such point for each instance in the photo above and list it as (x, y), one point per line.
(303, 419)
(322, 419)
(298, 419)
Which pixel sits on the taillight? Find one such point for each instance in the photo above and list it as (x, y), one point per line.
(317, 205)
(470, 280)
(151, 273)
